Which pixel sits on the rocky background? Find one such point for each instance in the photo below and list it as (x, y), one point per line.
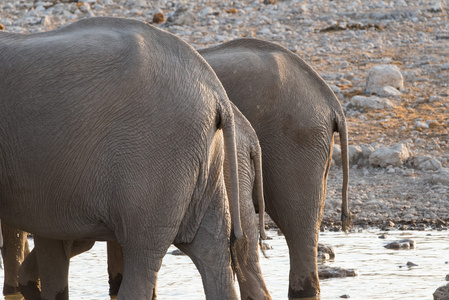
(387, 61)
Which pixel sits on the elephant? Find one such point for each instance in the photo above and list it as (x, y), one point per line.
(115, 130)
(295, 115)
(245, 256)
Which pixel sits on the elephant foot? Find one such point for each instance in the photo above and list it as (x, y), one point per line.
(114, 285)
(30, 291)
(310, 289)
(10, 290)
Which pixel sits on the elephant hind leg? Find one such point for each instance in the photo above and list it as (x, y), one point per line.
(210, 253)
(15, 249)
(53, 257)
(29, 285)
(115, 267)
(141, 267)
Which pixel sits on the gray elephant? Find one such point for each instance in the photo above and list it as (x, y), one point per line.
(110, 130)
(245, 255)
(295, 115)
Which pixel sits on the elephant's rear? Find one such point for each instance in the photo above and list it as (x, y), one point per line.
(108, 127)
(101, 99)
(295, 115)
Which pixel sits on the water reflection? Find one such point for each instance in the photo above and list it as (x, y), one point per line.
(383, 273)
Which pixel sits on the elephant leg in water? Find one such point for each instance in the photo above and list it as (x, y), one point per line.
(15, 249)
(29, 271)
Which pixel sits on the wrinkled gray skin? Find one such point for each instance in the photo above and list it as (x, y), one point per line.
(245, 255)
(110, 130)
(295, 115)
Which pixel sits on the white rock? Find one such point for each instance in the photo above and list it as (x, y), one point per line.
(420, 124)
(46, 21)
(185, 19)
(395, 156)
(372, 102)
(336, 154)
(424, 162)
(388, 91)
(436, 7)
(383, 75)
(354, 153)
(440, 177)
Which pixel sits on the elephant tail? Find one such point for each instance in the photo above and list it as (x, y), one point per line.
(256, 157)
(228, 126)
(1, 238)
(346, 220)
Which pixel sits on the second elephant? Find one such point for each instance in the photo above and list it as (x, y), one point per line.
(295, 115)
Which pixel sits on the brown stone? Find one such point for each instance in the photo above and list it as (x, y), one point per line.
(158, 18)
(232, 11)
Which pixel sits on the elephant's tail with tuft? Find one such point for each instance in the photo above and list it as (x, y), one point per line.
(226, 122)
(346, 220)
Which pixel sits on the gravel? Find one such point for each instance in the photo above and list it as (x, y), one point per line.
(342, 40)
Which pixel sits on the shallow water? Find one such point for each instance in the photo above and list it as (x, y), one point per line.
(383, 273)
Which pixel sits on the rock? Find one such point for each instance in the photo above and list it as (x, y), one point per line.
(345, 296)
(411, 264)
(321, 256)
(447, 277)
(440, 177)
(159, 18)
(373, 102)
(395, 156)
(326, 250)
(177, 252)
(436, 7)
(336, 154)
(388, 91)
(270, 1)
(441, 293)
(185, 19)
(383, 75)
(421, 125)
(265, 246)
(46, 21)
(325, 272)
(354, 154)
(424, 163)
(401, 244)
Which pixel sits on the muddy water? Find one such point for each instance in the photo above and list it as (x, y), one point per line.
(383, 273)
